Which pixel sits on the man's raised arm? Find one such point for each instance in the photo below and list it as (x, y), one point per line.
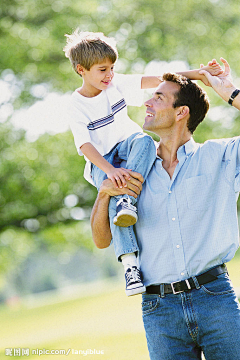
(99, 217)
(223, 85)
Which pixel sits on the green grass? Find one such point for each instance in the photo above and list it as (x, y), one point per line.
(108, 321)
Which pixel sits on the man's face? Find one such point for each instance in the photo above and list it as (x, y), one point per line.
(160, 112)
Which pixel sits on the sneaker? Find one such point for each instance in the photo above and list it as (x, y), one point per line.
(126, 213)
(134, 284)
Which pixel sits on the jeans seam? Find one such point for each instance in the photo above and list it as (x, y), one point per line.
(216, 293)
(187, 302)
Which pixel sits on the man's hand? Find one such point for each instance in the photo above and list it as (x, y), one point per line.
(134, 185)
(101, 231)
(221, 83)
(213, 67)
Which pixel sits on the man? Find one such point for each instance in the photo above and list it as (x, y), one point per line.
(187, 227)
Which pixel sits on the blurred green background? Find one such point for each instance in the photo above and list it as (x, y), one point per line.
(55, 287)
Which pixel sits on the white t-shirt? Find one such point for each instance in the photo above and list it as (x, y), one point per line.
(102, 120)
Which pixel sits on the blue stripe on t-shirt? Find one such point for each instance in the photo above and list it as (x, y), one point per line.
(96, 124)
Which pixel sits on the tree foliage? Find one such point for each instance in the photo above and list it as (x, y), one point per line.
(32, 34)
(44, 200)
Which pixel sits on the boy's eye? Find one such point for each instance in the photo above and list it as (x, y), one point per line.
(103, 69)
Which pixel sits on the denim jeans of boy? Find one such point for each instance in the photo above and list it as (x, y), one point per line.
(185, 325)
(139, 152)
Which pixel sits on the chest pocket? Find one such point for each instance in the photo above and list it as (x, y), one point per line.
(198, 192)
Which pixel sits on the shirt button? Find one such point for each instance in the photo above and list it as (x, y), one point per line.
(170, 192)
(182, 273)
(173, 219)
(178, 246)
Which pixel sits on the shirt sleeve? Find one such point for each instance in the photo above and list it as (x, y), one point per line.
(232, 161)
(78, 124)
(130, 87)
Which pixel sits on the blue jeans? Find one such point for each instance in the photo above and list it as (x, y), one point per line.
(182, 326)
(140, 153)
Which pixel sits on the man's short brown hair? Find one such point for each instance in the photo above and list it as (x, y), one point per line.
(191, 95)
(88, 48)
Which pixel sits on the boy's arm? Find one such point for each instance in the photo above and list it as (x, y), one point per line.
(117, 175)
(150, 82)
(213, 68)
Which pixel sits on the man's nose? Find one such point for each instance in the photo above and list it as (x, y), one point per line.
(148, 103)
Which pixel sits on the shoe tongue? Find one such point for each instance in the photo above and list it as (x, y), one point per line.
(131, 268)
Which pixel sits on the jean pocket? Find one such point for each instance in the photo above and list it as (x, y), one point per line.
(221, 286)
(150, 305)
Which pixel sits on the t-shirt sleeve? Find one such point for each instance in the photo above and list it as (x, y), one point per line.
(130, 87)
(78, 124)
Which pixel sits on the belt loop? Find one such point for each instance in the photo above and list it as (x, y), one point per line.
(162, 290)
(196, 282)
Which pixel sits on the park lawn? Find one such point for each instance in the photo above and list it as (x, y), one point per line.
(109, 322)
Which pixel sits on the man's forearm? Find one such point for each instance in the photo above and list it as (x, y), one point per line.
(101, 231)
(100, 221)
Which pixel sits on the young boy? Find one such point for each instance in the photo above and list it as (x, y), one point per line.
(105, 135)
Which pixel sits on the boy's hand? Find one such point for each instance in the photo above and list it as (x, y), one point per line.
(119, 177)
(134, 186)
(213, 67)
(222, 83)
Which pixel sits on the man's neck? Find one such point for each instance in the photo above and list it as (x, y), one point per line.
(168, 148)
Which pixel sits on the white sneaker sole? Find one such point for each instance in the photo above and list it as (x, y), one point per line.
(135, 291)
(125, 218)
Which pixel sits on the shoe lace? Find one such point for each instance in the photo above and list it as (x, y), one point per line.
(133, 274)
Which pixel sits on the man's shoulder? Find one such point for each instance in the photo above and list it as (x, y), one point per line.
(218, 147)
(218, 143)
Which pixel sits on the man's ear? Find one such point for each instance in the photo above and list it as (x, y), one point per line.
(182, 112)
(80, 69)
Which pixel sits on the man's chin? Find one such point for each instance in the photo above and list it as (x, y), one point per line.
(146, 127)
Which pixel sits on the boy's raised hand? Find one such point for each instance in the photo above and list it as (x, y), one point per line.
(221, 83)
(213, 68)
(119, 177)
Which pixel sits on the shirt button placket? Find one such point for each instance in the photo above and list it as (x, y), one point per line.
(175, 233)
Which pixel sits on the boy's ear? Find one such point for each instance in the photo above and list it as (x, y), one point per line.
(80, 69)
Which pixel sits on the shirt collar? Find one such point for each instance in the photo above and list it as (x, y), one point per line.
(189, 147)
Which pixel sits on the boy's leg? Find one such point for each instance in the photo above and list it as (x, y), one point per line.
(126, 250)
(140, 153)
(124, 239)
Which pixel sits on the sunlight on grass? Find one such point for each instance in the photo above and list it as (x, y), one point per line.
(109, 322)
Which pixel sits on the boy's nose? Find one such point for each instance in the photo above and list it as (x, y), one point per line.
(109, 74)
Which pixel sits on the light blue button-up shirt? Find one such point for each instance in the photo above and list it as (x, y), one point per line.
(188, 224)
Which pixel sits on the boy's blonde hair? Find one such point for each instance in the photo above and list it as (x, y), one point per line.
(88, 48)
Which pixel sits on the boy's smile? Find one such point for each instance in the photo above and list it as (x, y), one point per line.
(96, 79)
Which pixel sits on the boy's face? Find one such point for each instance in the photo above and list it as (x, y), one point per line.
(98, 78)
